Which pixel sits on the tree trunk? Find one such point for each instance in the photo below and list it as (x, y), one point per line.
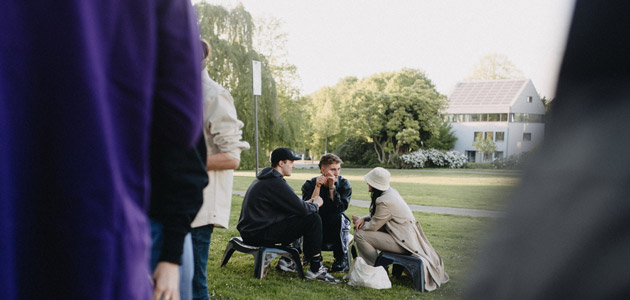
(379, 155)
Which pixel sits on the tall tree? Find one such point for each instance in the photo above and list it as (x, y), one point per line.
(231, 35)
(325, 118)
(397, 111)
(495, 66)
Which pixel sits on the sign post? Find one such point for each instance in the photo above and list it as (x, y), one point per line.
(256, 68)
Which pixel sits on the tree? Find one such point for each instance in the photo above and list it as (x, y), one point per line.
(485, 146)
(396, 111)
(231, 33)
(495, 66)
(443, 139)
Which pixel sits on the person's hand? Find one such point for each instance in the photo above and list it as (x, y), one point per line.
(358, 222)
(321, 180)
(166, 277)
(318, 200)
(330, 179)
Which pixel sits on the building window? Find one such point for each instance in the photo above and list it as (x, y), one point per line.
(470, 155)
(527, 136)
(478, 136)
(500, 136)
(504, 117)
(489, 136)
(529, 99)
(494, 118)
(498, 154)
(474, 118)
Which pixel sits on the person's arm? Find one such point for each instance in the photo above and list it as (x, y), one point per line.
(166, 281)
(290, 202)
(380, 217)
(177, 107)
(221, 161)
(342, 195)
(221, 127)
(312, 189)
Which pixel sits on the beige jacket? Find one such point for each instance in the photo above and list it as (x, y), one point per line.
(394, 213)
(222, 130)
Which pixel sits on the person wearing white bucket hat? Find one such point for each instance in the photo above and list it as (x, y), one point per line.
(390, 226)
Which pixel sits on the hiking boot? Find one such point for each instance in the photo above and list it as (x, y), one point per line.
(287, 265)
(340, 265)
(322, 275)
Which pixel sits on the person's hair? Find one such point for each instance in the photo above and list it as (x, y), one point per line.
(206, 50)
(328, 159)
(374, 195)
(275, 164)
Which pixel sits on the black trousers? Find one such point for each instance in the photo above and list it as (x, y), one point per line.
(331, 229)
(287, 231)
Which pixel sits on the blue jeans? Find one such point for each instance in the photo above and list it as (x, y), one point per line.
(185, 269)
(201, 246)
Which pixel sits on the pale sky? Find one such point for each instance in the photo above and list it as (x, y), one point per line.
(332, 39)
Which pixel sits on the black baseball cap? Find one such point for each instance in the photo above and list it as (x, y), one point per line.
(282, 154)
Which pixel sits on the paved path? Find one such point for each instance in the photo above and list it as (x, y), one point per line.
(429, 209)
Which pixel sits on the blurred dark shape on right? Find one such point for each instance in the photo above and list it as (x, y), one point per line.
(567, 230)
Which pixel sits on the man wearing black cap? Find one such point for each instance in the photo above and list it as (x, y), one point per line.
(272, 213)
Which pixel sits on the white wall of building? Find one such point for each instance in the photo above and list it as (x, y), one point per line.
(516, 144)
(521, 105)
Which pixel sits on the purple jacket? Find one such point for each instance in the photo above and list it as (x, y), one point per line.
(82, 84)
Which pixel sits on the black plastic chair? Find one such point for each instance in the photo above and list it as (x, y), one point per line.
(262, 255)
(400, 261)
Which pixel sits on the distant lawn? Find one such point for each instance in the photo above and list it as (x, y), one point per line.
(466, 188)
(456, 238)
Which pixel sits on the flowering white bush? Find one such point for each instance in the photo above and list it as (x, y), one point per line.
(415, 159)
(436, 157)
(455, 159)
(420, 158)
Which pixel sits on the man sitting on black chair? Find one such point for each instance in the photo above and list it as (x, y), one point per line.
(335, 191)
(273, 214)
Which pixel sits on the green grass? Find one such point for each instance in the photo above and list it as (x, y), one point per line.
(456, 238)
(475, 189)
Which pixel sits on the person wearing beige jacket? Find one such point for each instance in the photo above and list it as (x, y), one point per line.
(222, 131)
(390, 226)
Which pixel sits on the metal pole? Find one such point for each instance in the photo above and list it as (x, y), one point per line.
(256, 129)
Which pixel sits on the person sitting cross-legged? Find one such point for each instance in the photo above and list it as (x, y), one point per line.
(272, 214)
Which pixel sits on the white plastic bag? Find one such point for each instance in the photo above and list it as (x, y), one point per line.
(362, 274)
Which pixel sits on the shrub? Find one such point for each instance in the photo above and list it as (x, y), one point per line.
(455, 159)
(414, 160)
(433, 157)
(357, 152)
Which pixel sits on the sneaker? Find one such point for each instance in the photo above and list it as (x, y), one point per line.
(340, 266)
(287, 265)
(322, 275)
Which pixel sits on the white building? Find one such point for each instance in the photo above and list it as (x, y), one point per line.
(508, 112)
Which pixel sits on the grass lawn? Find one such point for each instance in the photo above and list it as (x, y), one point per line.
(450, 188)
(456, 238)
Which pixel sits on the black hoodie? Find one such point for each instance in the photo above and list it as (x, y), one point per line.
(269, 200)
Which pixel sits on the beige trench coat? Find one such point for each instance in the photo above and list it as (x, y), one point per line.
(394, 213)
(222, 130)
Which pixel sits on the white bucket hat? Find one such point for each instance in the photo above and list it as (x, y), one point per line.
(378, 178)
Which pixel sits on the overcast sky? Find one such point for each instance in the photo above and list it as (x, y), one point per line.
(331, 39)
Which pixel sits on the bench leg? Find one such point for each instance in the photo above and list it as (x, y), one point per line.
(227, 254)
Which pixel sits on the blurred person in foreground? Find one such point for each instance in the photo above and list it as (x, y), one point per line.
(390, 226)
(83, 84)
(222, 131)
(566, 234)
